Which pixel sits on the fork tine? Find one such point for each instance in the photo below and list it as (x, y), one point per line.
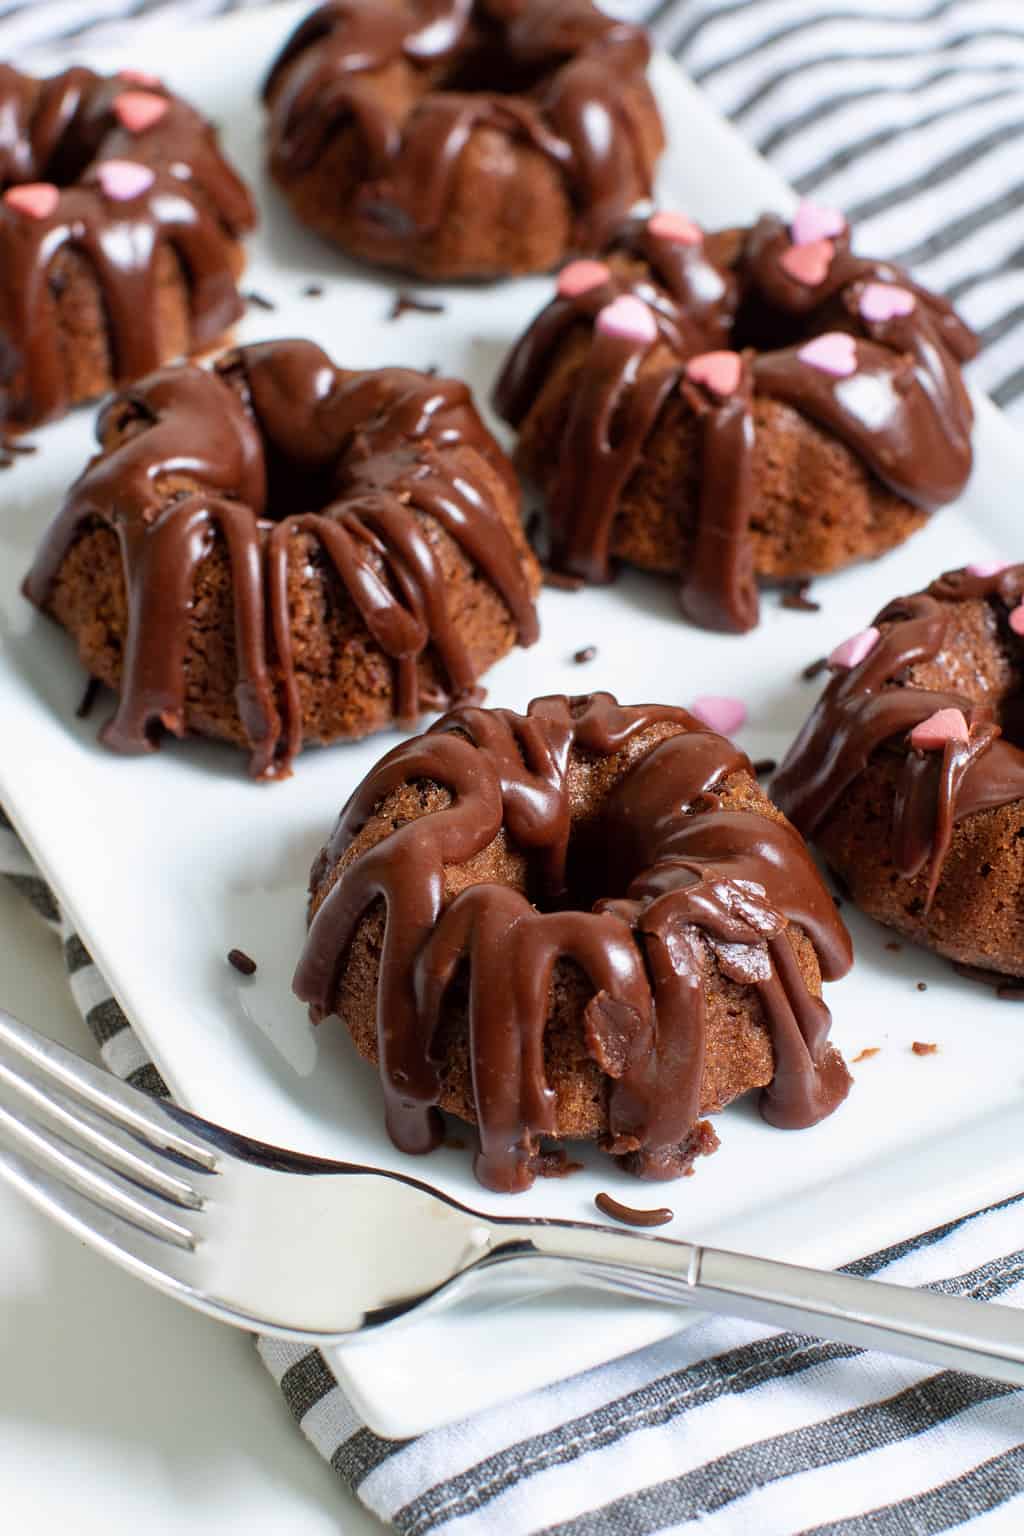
(104, 1139)
(133, 1111)
(89, 1177)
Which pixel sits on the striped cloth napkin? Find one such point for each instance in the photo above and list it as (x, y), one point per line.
(908, 114)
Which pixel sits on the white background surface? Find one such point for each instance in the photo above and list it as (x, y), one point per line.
(121, 1411)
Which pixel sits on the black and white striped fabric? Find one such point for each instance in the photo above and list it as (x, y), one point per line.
(909, 114)
(729, 1429)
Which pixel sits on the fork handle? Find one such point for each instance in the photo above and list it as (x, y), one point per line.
(948, 1331)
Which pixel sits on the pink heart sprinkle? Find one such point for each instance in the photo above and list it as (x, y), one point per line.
(139, 110)
(675, 227)
(933, 733)
(580, 276)
(628, 318)
(808, 264)
(853, 651)
(719, 714)
(122, 180)
(885, 301)
(138, 77)
(35, 199)
(985, 568)
(1017, 619)
(717, 371)
(833, 352)
(812, 222)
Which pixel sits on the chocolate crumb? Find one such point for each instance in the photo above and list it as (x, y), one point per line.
(629, 1216)
(796, 597)
(242, 962)
(924, 1048)
(312, 291)
(554, 1165)
(587, 653)
(561, 580)
(89, 697)
(258, 300)
(764, 766)
(815, 669)
(404, 302)
(865, 1054)
(894, 946)
(922, 986)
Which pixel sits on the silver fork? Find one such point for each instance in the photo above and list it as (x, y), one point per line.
(308, 1249)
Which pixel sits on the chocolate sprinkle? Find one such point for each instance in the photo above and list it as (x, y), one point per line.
(312, 291)
(242, 962)
(796, 598)
(922, 986)
(89, 697)
(404, 303)
(630, 1216)
(815, 669)
(587, 653)
(258, 300)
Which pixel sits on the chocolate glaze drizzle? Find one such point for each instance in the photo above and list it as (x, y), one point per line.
(380, 439)
(60, 130)
(874, 706)
(904, 411)
(698, 879)
(567, 71)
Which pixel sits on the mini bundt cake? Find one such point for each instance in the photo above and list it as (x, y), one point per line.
(583, 922)
(908, 775)
(462, 138)
(279, 551)
(120, 222)
(753, 403)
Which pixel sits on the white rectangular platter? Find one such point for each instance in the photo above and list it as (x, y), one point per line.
(165, 863)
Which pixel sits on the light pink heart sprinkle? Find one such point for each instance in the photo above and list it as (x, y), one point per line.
(629, 318)
(138, 77)
(983, 568)
(139, 110)
(675, 227)
(808, 264)
(717, 371)
(853, 651)
(833, 352)
(580, 276)
(885, 301)
(933, 733)
(812, 222)
(1017, 619)
(720, 714)
(35, 199)
(122, 180)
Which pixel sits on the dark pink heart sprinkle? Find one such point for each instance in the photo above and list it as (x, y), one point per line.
(580, 276)
(1017, 619)
(628, 318)
(720, 713)
(853, 651)
(139, 110)
(138, 77)
(808, 264)
(833, 352)
(676, 228)
(812, 222)
(718, 371)
(933, 733)
(885, 301)
(122, 180)
(35, 199)
(985, 568)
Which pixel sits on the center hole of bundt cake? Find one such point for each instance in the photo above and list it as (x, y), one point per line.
(489, 69)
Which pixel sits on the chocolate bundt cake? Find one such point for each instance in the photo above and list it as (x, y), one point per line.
(585, 921)
(280, 551)
(462, 138)
(752, 403)
(909, 776)
(119, 228)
